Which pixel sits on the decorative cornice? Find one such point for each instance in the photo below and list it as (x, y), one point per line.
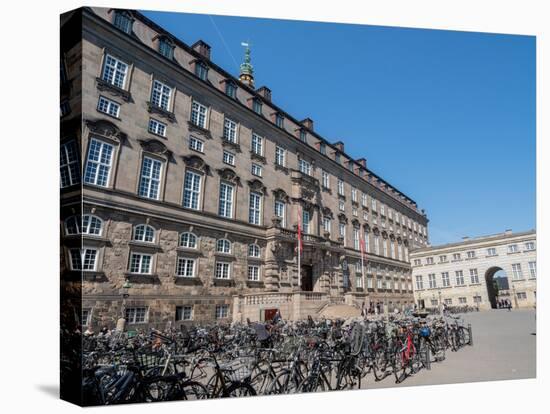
(197, 163)
(257, 185)
(114, 90)
(107, 129)
(155, 146)
(159, 111)
(228, 174)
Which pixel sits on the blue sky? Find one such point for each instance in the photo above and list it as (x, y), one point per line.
(447, 117)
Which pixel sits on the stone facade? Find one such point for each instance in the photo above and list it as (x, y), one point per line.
(460, 272)
(135, 276)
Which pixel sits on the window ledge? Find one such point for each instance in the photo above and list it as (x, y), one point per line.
(145, 245)
(281, 168)
(162, 112)
(233, 145)
(257, 157)
(94, 276)
(228, 256)
(142, 278)
(189, 250)
(518, 252)
(115, 90)
(255, 284)
(187, 281)
(203, 131)
(223, 282)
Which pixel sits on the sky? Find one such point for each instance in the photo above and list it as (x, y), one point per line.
(446, 117)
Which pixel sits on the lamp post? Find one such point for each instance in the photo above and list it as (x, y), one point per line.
(439, 302)
(121, 323)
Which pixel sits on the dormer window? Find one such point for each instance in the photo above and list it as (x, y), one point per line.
(123, 21)
(231, 90)
(323, 148)
(166, 48)
(257, 106)
(337, 157)
(201, 70)
(279, 120)
(303, 135)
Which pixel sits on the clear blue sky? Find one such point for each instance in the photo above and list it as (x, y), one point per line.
(446, 117)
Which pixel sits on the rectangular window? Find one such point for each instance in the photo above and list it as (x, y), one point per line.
(432, 281)
(161, 95)
(83, 259)
(341, 205)
(532, 270)
(230, 130)
(69, 169)
(280, 156)
(462, 300)
(157, 127)
(166, 48)
(254, 273)
(385, 247)
(382, 209)
(223, 270)
(184, 313)
(201, 71)
(257, 144)
(376, 245)
(443, 258)
(65, 108)
(529, 246)
(516, 271)
(86, 316)
(367, 243)
(136, 315)
(392, 250)
(226, 200)
(140, 263)
(430, 260)
(108, 107)
(477, 299)
(341, 187)
(305, 221)
(98, 164)
(123, 21)
(256, 170)
(456, 256)
(474, 277)
(303, 135)
(459, 278)
(491, 251)
(323, 148)
(185, 267)
(304, 166)
(522, 295)
(354, 212)
(471, 254)
(419, 282)
(448, 301)
(325, 178)
(191, 190)
(222, 311)
(196, 144)
(445, 279)
(359, 280)
(513, 248)
(342, 230)
(417, 262)
(279, 120)
(373, 204)
(255, 209)
(149, 184)
(228, 158)
(379, 282)
(198, 114)
(257, 106)
(354, 194)
(231, 90)
(114, 72)
(280, 211)
(364, 200)
(326, 225)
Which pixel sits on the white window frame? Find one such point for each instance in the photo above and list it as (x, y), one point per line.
(419, 282)
(69, 170)
(156, 127)
(141, 269)
(459, 278)
(188, 240)
(255, 208)
(230, 130)
(161, 95)
(222, 270)
(226, 200)
(280, 211)
(150, 181)
(474, 276)
(532, 269)
(131, 315)
(280, 156)
(192, 187)
(228, 158)
(183, 313)
(445, 279)
(256, 170)
(222, 311)
(432, 282)
(141, 236)
(304, 166)
(517, 273)
(108, 106)
(196, 144)
(306, 218)
(185, 267)
(114, 71)
(254, 273)
(325, 177)
(100, 164)
(257, 144)
(224, 246)
(84, 253)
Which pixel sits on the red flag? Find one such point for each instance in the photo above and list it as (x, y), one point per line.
(300, 246)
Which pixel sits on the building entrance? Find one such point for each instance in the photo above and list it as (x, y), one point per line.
(307, 278)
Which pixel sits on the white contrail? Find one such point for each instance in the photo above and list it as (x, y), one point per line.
(223, 41)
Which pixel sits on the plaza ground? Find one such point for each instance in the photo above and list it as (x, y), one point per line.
(504, 348)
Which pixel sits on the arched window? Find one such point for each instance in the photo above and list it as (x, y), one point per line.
(144, 233)
(223, 246)
(253, 250)
(91, 225)
(72, 225)
(188, 240)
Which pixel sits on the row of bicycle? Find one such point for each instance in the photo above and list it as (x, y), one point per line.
(263, 359)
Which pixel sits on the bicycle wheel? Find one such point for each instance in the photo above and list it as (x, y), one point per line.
(262, 381)
(399, 365)
(285, 382)
(192, 390)
(239, 389)
(380, 365)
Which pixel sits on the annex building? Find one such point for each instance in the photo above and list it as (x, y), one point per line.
(464, 273)
(182, 187)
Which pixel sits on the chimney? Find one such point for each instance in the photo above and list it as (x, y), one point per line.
(339, 145)
(265, 92)
(202, 48)
(508, 231)
(363, 162)
(308, 123)
(465, 238)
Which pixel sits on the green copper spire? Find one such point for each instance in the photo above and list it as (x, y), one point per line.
(247, 70)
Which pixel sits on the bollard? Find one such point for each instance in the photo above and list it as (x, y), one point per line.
(428, 362)
(471, 342)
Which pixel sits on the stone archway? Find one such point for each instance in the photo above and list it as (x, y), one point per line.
(490, 283)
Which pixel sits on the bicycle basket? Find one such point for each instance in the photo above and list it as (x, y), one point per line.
(148, 360)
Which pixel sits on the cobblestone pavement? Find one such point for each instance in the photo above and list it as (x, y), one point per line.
(504, 348)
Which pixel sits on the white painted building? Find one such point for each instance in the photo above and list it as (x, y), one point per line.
(462, 273)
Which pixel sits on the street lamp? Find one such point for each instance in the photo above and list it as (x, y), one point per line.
(121, 323)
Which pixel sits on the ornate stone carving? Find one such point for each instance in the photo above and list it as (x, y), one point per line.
(355, 223)
(228, 174)
(281, 194)
(106, 129)
(197, 163)
(342, 218)
(327, 212)
(114, 90)
(257, 185)
(155, 146)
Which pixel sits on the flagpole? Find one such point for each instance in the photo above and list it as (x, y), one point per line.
(299, 250)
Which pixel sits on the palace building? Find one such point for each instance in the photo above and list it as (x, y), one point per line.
(182, 186)
(465, 273)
